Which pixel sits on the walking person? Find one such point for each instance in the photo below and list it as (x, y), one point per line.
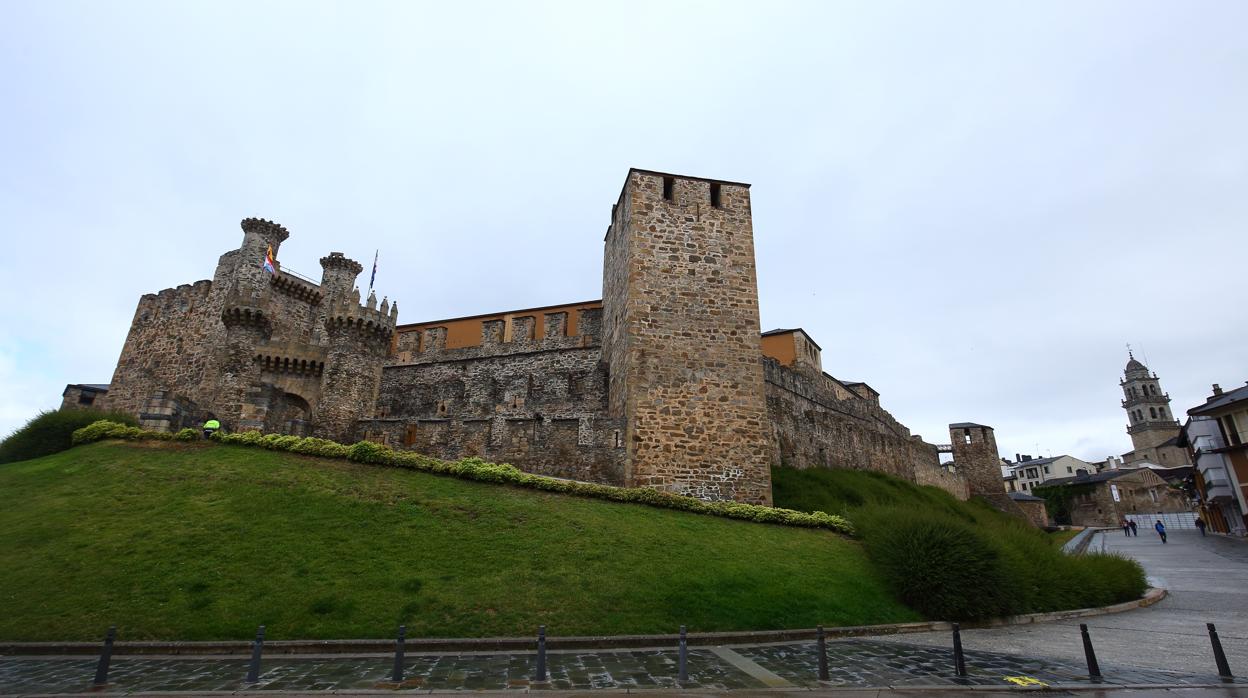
(1200, 523)
(1135, 530)
(1161, 530)
(1126, 527)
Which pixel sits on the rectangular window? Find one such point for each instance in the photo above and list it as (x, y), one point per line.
(715, 194)
(668, 185)
(1046, 470)
(86, 398)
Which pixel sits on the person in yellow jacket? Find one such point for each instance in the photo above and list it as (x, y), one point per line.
(211, 426)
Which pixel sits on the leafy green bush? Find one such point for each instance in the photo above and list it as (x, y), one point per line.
(187, 434)
(52, 431)
(939, 565)
(928, 543)
(483, 471)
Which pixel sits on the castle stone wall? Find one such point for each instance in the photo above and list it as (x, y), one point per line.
(170, 347)
(539, 404)
(816, 425)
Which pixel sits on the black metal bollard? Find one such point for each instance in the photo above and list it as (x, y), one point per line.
(541, 653)
(683, 657)
(253, 670)
(1224, 669)
(959, 661)
(106, 657)
(821, 644)
(397, 675)
(1094, 669)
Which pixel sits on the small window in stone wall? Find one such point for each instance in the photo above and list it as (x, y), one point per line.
(618, 441)
(715, 197)
(576, 385)
(86, 398)
(441, 408)
(668, 185)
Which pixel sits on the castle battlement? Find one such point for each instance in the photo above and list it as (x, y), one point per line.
(273, 233)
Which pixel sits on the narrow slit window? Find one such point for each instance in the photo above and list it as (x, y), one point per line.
(715, 194)
(668, 185)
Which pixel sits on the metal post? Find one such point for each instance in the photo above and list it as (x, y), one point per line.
(1224, 669)
(253, 671)
(683, 657)
(541, 653)
(397, 676)
(821, 642)
(1094, 669)
(959, 661)
(106, 657)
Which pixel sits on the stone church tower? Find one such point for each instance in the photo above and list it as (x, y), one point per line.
(1150, 422)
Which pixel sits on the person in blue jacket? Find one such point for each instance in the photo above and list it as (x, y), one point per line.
(1161, 530)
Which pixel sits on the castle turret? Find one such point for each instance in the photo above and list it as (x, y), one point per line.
(357, 343)
(976, 457)
(338, 275)
(681, 338)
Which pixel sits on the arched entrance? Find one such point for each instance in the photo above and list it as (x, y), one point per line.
(289, 414)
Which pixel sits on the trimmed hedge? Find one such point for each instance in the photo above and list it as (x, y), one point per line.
(51, 432)
(479, 470)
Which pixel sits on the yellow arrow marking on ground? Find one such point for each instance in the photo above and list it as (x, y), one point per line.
(1024, 681)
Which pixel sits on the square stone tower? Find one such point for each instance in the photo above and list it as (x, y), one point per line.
(681, 338)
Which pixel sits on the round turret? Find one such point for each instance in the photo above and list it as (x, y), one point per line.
(339, 274)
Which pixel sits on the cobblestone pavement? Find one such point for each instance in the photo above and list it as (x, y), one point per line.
(1207, 582)
(852, 663)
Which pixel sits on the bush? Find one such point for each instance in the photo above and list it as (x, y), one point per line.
(483, 471)
(52, 431)
(939, 565)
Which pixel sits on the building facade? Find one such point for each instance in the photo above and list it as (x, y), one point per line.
(665, 382)
(1216, 435)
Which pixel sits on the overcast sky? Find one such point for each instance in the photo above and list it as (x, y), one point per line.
(972, 206)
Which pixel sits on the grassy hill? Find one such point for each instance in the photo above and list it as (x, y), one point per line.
(198, 541)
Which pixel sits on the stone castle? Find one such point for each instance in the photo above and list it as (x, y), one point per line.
(666, 382)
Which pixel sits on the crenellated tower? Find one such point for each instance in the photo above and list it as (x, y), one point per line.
(357, 343)
(248, 319)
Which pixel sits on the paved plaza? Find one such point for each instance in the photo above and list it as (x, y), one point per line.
(1165, 644)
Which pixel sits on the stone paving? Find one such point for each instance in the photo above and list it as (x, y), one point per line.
(852, 664)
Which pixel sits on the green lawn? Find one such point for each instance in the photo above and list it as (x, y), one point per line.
(1060, 538)
(199, 541)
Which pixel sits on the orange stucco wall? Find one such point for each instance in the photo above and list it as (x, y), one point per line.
(466, 331)
(780, 347)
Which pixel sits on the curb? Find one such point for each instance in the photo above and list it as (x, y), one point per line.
(527, 644)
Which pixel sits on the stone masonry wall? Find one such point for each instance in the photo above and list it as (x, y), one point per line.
(818, 424)
(171, 345)
(976, 457)
(538, 403)
(689, 374)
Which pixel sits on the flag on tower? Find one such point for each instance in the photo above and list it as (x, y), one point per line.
(268, 263)
(373, 278)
